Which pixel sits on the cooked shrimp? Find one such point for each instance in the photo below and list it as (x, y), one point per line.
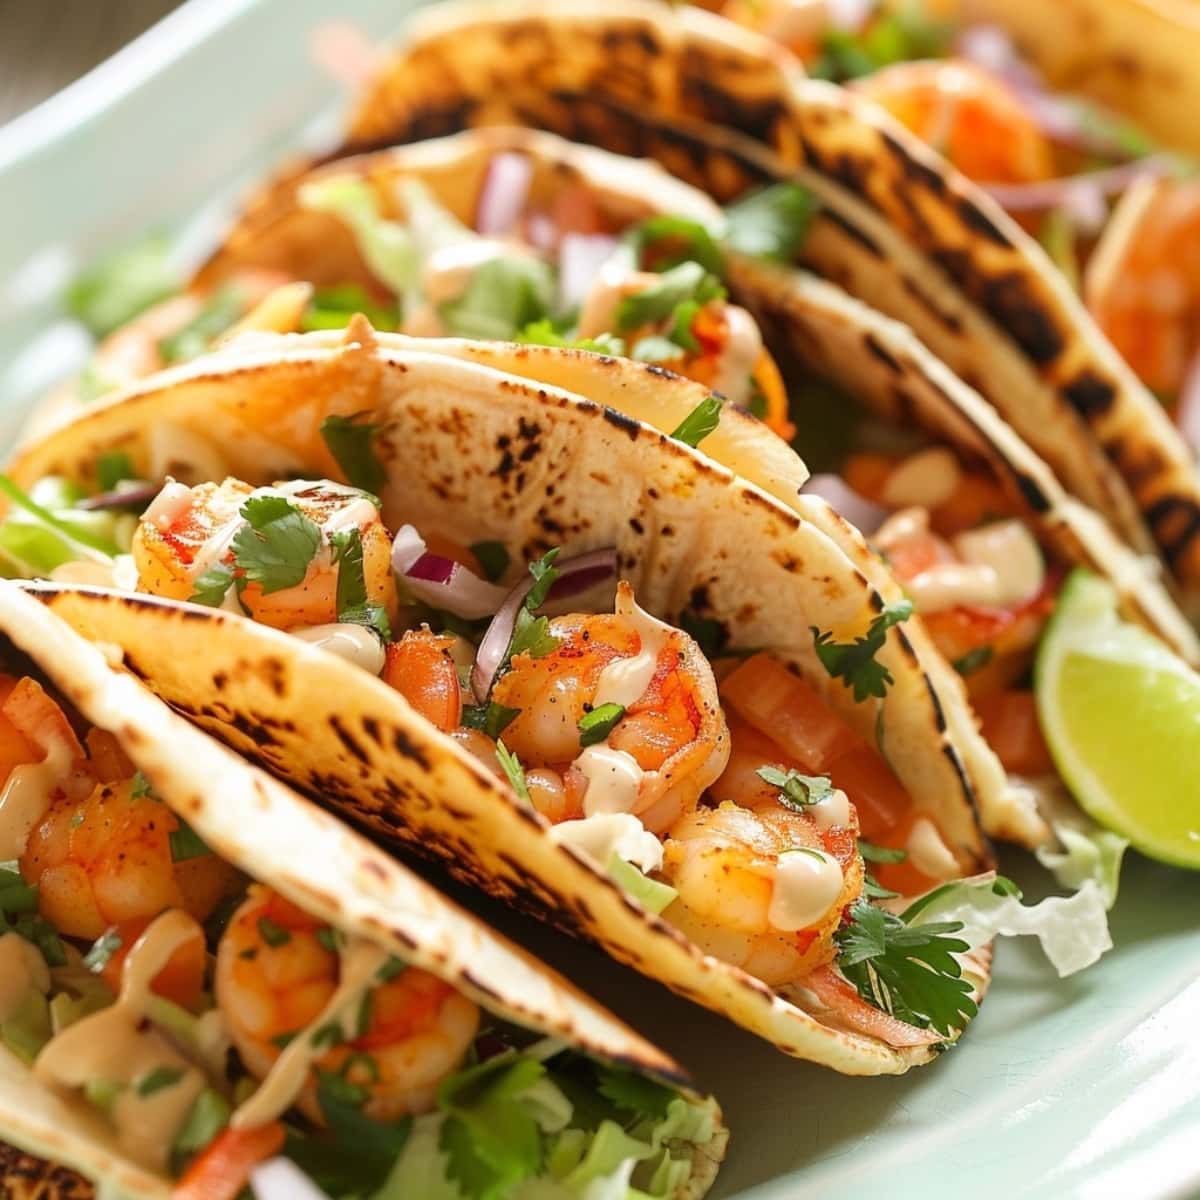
(724, 862)
(186, 531)
(1142, 284)
(275, 975)
(672, 729)
(420, 667)
(970, 116)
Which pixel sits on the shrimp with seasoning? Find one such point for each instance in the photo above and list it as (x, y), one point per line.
(278, 968)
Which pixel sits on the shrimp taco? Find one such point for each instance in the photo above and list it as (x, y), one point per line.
(730, 110)
(430, 235)
(601, 670)
(209, 983)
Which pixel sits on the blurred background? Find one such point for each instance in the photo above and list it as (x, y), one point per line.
(44, 46)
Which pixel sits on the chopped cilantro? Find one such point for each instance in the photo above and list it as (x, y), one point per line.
(688, 282)
(391, 968)
(708, 633)
(186, 843)
(657, 348)
(18, 908)
(493, 559)
(771, 223)
(492, 718)
(112, 468)
(276, 545)
(349, 441)
(664, 241)
(596, 725)
(888, 37)
(504, 295)
(216, 315)
(141, 787)
(796, 791)
(16, 896)
(328, 937)
(973, 660)
(272, 933)
(209, 1114)
(122, 284)
(544, 574)
(332, 308)
(212, 586)
(544, 333)
(633, 1092)
(700, 422)
(103, 948)
(532, 636)
(880, 854)
(158, 1079)
(329, 1034)
(511, 765)
(854, 662)
(906, 970)
(352, 601)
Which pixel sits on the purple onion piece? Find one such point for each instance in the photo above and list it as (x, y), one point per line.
(441, 582)
(122, 497)
(862, 513)
(503, 194)
(580, 257)
(575, 575)
(1058, 193)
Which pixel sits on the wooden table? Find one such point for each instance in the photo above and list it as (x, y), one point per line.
(45, 44)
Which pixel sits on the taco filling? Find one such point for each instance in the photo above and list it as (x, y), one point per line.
(225, 1036)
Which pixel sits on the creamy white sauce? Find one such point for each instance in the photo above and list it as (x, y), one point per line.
(925, 479)
(1012, 554)
(358, 513)
(361, 961)
(616, 280)
(807, 884)
(168, 506)
(833, 810)
(900, 526)
(174, 450)
(739, 355)
(604, 834)
(447, 272)
(355, 643)
(22, 970)
(949, 584)
(26, 796)
(117, 1046)
(613, 780)
(928, 853)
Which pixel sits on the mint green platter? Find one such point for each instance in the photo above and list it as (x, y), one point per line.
(1085, 1088)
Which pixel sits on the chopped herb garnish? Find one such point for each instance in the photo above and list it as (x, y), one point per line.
(350, 442)
(906, 970)
(880, 854)
(492, 718)
(113, 468)
(329, 1034)
(666, 241)
(212, 586)
(158, 1079)
(544, 333)
(249, 954)
(511, 766)
(633, 1092)
(272, 933)
(973, 660)
(284, 1040)
(796, 791)
(544, 574)
(209, 1114)
(329, 938)
(493, 559)
(219, 311)
(532, 636)
(332, 308)
(903, 35)
(103, 948)
(365, 1007)
(688, 282)
(16, 896)
(76, 820)
(186, 843)
(503, 296)
(276, 545)
(140, 788)
(352, 601)
(596, 725)
(708, 633)
(771, 223)
(700, 422)
(391, 968)
(854, 662)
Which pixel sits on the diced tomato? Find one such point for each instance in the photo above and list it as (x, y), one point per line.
(420, 668)
(789, 711)
(575, 209)
(223, 1168)
(976, 499)
(1010, 725)
(877, 795)
(918, 552)
(868, 473)
(181, 980)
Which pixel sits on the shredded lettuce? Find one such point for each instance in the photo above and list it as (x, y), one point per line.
(504, 295)
(1085, 850)
(649, 893)
(27, 1029)
(432, 226)
(119, 286)
(1073, 931)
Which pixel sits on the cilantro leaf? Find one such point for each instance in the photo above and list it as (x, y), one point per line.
(700, 422)
(511, 766)
(122, 284)
(664, 241)
(332, 308)
(532, 636)
(973, 660)
(352, 601)
(796, 791)
(854, 662)
(708, 633)
(492, 718)
(656, 348)
(771, 223)
(112, 468)
(103, 948)
(880, 854)
(633, 1092)
(906, 970)
(349, 441)
(186, 843)
(492, 557)
(209, 1114)
(687, 282)
(544, 333)
(141, 787)
(544, 574)
(276, 546)
(273, 933)
(216, 315)
(491, 1141)
(18, 914)
(889, 37)
(158, 1079)
(596, 725)
(212, 586)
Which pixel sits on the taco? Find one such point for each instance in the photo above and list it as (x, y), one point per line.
(361, 1032)
(729, 110)
(822, 698)
(561, 201)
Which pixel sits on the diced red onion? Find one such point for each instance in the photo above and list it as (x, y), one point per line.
(580, 257)
(441, 582)
(503, 194)
(1046, 194)
(128, 497)
(575, 575)
(280, 1179)
(864, 515)
(540, 231)
(1187, 415)
(987, 46)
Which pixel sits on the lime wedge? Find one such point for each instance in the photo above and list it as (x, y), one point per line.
(1121, 715)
